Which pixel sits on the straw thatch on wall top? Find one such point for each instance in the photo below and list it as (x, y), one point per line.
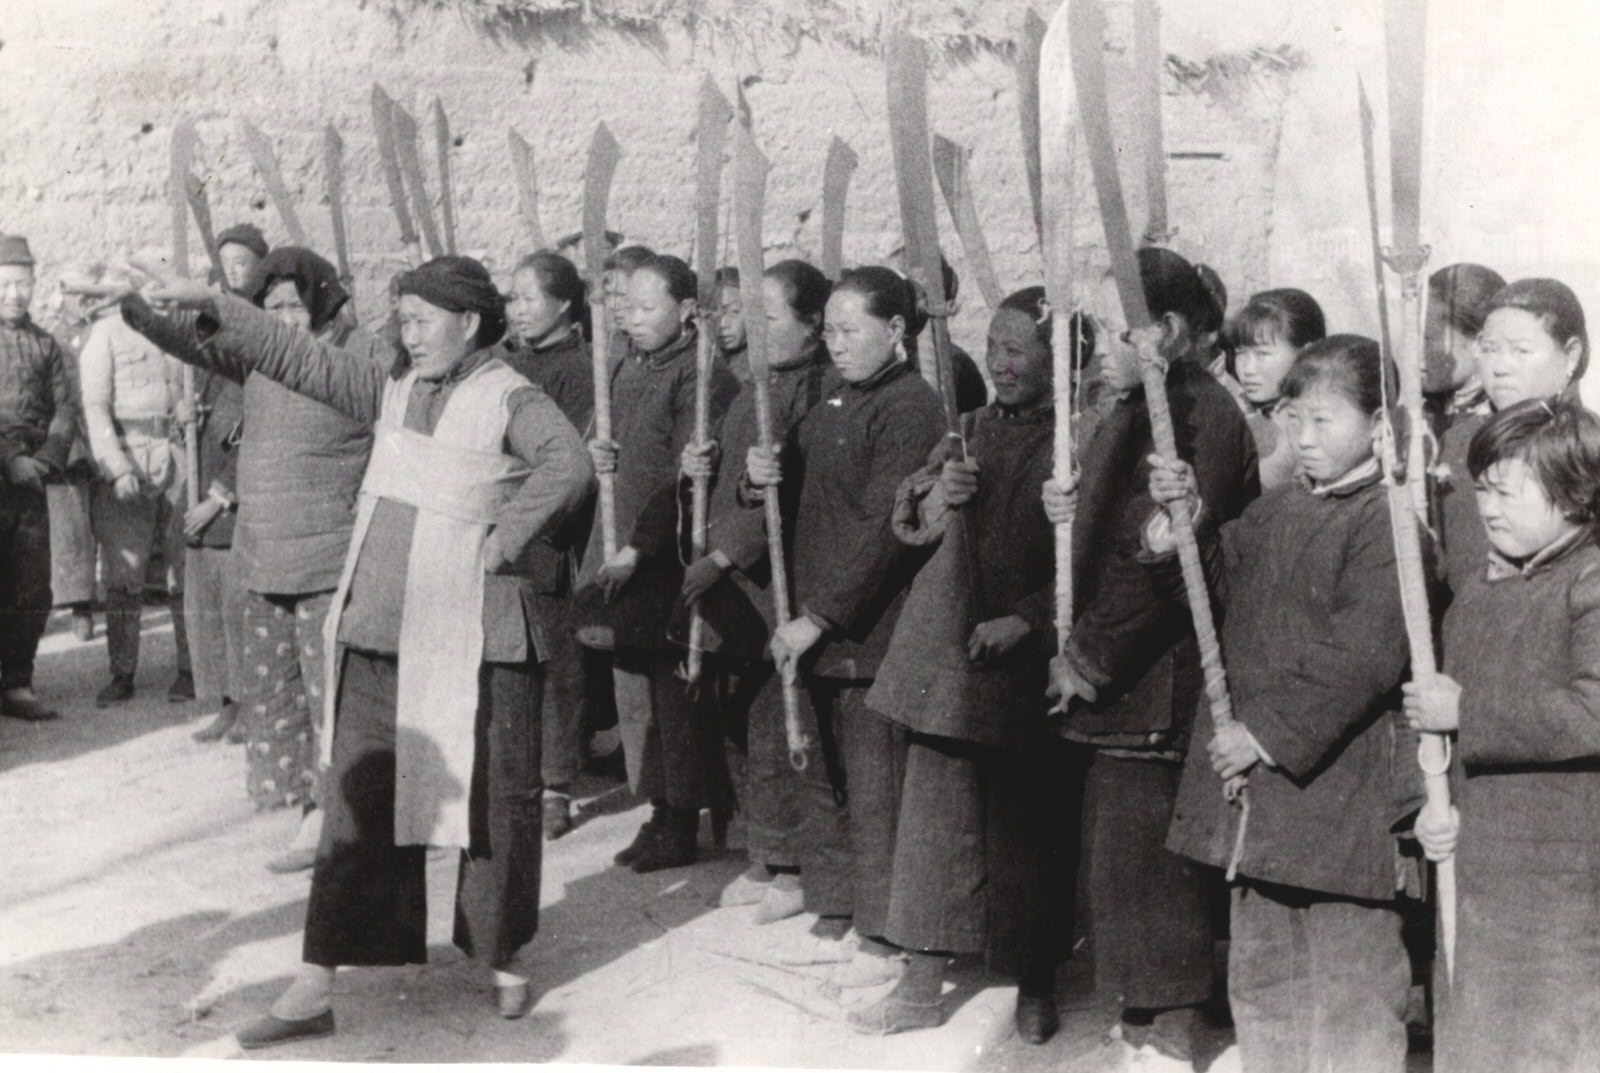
(954, 27)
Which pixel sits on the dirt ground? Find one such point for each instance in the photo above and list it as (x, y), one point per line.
(137, 919)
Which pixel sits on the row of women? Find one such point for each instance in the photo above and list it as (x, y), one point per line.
(962, 762)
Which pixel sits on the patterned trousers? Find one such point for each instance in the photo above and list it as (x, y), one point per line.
(282, 696)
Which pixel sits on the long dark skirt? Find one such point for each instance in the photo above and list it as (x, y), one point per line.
(1150, 910)
(368, 896)
(850, 803)
(986, 852)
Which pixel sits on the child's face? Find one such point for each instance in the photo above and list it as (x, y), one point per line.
(1516, 510)
(730, 320)
(1261, 367)
(654, 318)
(1332, 436)
(1518, 360)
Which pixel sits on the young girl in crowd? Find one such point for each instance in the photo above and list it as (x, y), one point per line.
(1316, 649)
(1458, 301)
(1522, 681)
(731, 584)
(673, 758)
(1534, 344)
(1129, 677)
(548, 344)
(1263, 340)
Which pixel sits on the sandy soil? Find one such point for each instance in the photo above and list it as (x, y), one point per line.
(136, 918)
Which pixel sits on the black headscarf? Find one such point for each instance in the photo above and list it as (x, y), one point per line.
(316, 281)
(459, 285)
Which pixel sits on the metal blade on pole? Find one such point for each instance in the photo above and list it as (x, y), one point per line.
(447, 207)
(333, 166)
(200, 206)
(389, 157)
(405, 140)
(1031, 85)
(750, 170)
(836, 174)
(952, 164)
(604, 154)
(1370, 167)
(1086, 29)
(1405, 29)
(907, 64)
(1148, 62)
(715, 114)
(527, 185)
(265, 159)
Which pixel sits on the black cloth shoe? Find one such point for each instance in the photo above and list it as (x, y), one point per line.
(674, 843)
(22, 704)
(557, 815)
(646, 835)
(269, 1031)
(182, 688)
(1037, 1019)
(119, 689)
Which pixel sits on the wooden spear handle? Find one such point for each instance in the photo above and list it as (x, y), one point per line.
(793, 730)
(191, 441)
(1063, 345)
(1153, 371)
(699, 489)
(602, 413)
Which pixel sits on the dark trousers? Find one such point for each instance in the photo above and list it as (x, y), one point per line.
(850, 802)
(562, 713)
(673, 753)
(1149, 909)
(368, 896)
(1317, 983)
(772, 792)
(24, 582)
(1526, 994)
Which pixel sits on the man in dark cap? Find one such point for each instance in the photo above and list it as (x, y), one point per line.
(240, 249)
(434, 656)
(37, 420)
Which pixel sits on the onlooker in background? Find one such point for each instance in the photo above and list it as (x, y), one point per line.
(73, 551)
(37, 417)
(130, 393)
(241, 248)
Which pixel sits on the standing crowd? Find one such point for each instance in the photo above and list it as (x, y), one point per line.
(388, 574)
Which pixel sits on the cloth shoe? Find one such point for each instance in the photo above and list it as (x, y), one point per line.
(748, 889)
(182, 688)
(784, 898)
(302, 852)
(512, 1000)
(20, 703)
(868, 970)
(1036, 1017)
(647, 834)
(890, 1015)
(272, 1030)
(557, 815)
(119, 689)
(674, 843)
(221, 724)
(83, 624)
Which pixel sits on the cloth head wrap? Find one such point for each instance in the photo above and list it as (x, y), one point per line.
(459, 285)
(315, 280)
